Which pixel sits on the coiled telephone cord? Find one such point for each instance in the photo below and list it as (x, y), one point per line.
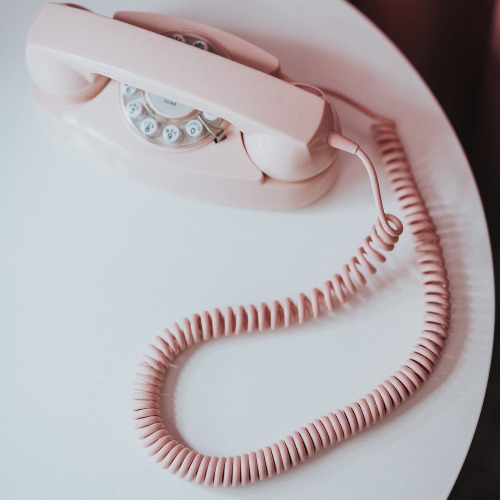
(345, 422)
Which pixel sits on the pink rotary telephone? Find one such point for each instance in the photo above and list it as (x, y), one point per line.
(245, 135)
(241, 136)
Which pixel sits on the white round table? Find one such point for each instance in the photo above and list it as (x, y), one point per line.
(94, 265)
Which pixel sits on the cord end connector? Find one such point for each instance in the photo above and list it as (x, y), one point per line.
(338, 141)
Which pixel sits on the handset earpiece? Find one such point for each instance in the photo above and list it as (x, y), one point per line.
(270, 157)
(50, 74)
(52, 71)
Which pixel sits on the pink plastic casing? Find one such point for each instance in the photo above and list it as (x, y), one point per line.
(276, 154)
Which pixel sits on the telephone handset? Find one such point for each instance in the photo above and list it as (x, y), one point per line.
(140, 89)
(200, 111)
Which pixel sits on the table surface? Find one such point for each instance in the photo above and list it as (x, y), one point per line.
(94, 265)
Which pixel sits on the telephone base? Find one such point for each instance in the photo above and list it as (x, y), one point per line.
(218, 173)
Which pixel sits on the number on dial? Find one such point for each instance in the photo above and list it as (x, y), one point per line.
(171, 133)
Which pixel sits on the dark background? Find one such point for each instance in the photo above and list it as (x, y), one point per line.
(455, 45)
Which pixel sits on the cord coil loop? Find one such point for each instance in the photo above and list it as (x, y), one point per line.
(343, 423)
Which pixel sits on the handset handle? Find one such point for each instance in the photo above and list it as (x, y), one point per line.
(72, 52)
